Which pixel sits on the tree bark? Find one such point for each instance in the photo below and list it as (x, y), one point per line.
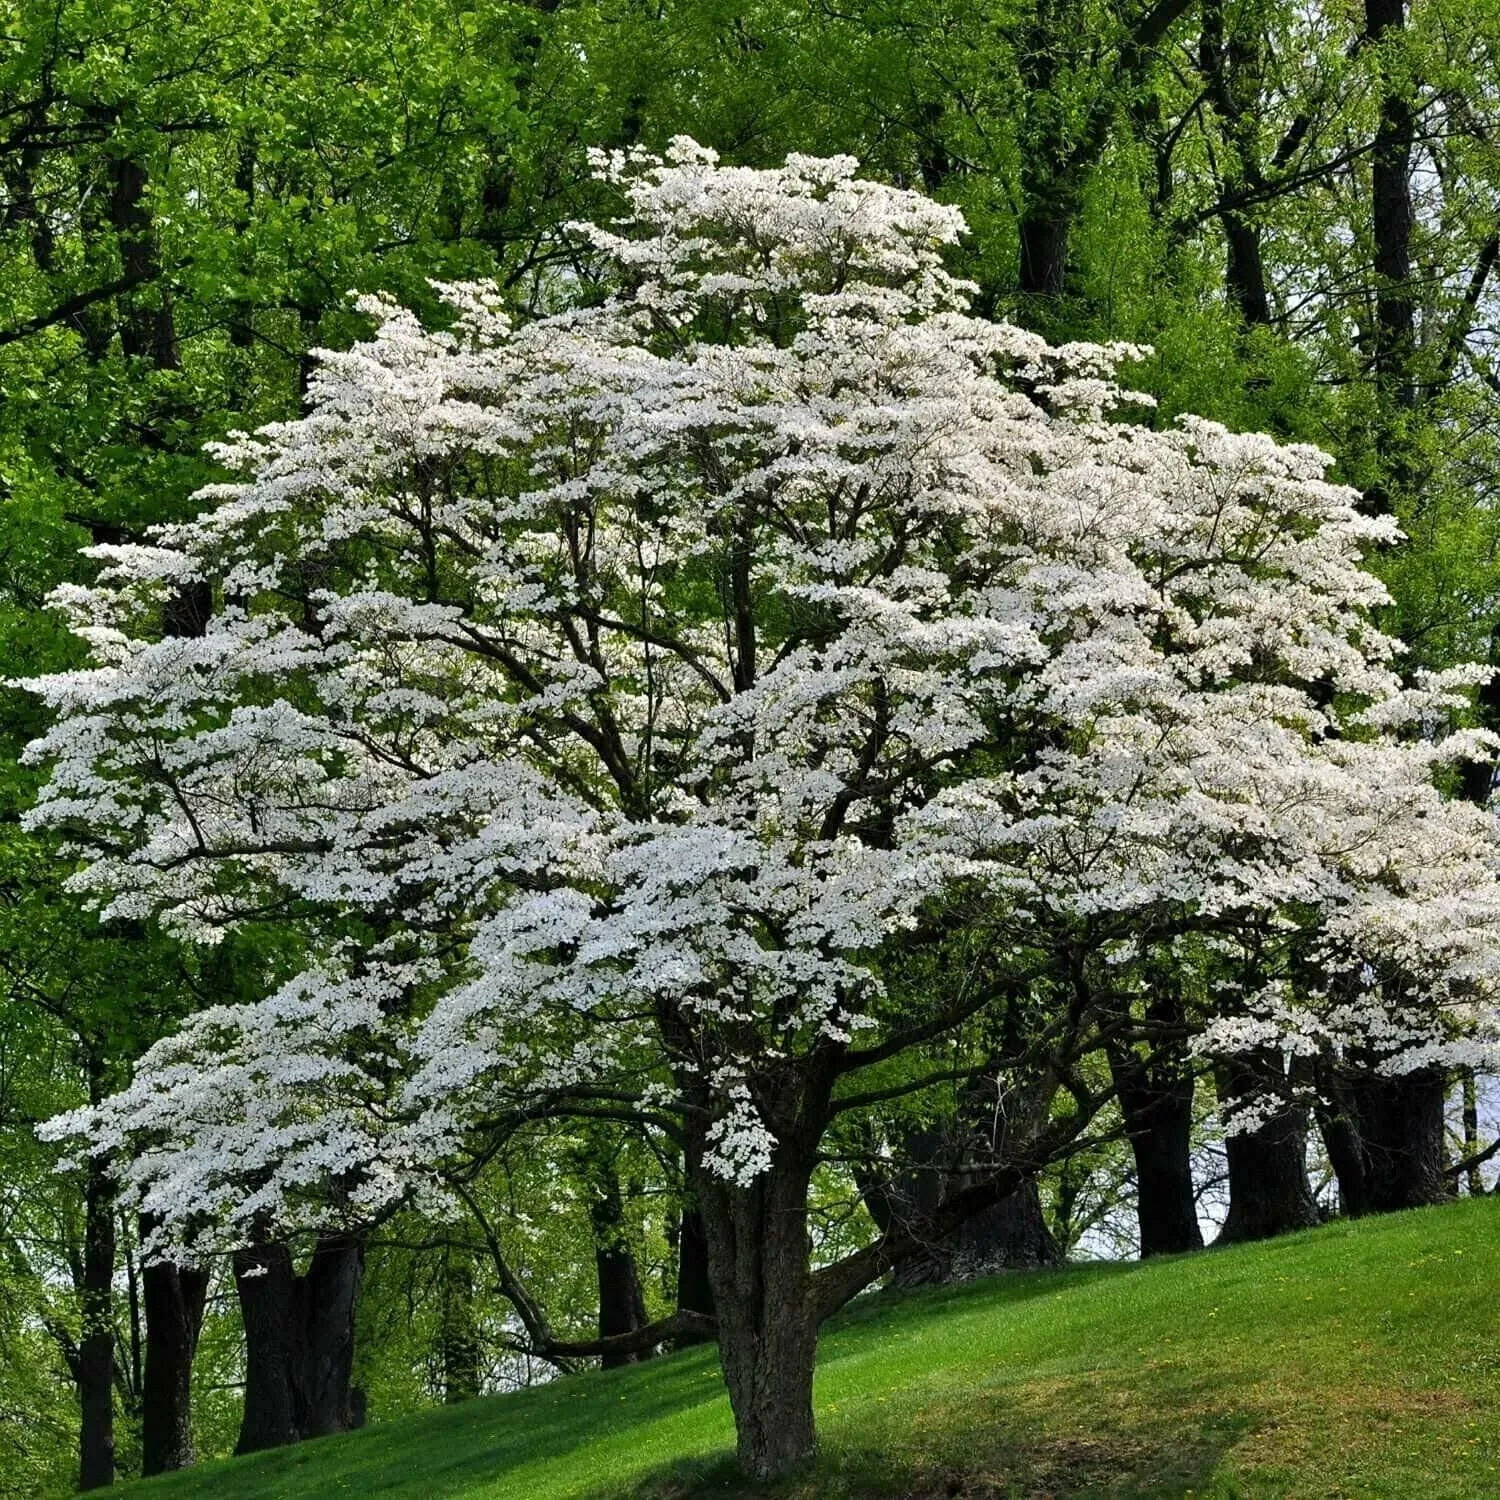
(264, 1282)
(1384, 1137)
(622, 1307)
(1402, 1137)
(174, 1298)
(1160, 1124)
(330, 1293)
(1474, 1178)
(1009, 1235)
(1269, 1193)
(768, 1326)
(96, 1346)
(1230, 58)
(694, 1293)
(1155, 1093)
(299, 1342)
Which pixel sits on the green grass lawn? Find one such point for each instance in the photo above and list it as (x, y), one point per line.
(1357, 1359)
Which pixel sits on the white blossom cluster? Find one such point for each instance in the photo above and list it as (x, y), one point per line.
(647, 671)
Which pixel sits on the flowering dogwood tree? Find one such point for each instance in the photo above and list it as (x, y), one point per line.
(734, 699)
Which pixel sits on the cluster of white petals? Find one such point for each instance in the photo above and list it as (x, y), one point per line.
(645, 672)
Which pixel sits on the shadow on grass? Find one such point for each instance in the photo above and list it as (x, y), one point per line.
(448, 1450)
(1014, 1458)
(1115, 1434)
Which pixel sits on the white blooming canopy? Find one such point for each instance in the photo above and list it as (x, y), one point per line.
(606, 696)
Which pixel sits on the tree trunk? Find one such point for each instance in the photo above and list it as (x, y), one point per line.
(1269, 1193)
(1402, 1136)
(96, 1346)
(1161, 1135)
(458, 1336)
(768, 1329)
(299, 1342)
(1230, 57)
(1050, 183)
(1475, 1177)
(1156, 1099)
(174, 1297)
(1384, 1137)
(1392, 216)
(1044, 252)
(1345, 1154)
(1011, 1235)
(694, 1293)
(330, 1293)
(622, 1307)
(264, 1281)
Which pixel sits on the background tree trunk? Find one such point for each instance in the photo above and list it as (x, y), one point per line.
(622, 1306)
(1269, 1193)
(263, 1280)
(96, 1346)
(1155, 1092)
(174, 1298)
(299, 1342)
(1385, 1139)
(1160, 1124)
(458, 1334)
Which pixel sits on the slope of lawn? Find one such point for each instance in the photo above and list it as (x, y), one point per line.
(1358, 1359)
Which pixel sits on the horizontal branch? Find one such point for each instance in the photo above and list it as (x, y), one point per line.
(70, 307)
(639, 1341)
(1469, 1163)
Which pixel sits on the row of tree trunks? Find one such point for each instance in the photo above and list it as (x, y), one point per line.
(299, 1342)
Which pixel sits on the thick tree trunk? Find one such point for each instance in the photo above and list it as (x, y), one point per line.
(174, 1297)
(96, 1346)
(1401, 1135)
(622, 1306)
(1269, 1193)
(299, 1342)
(330, 1293)
(1384, 1137)
(768, 1327)
(1044, 252)
(1011, 1235)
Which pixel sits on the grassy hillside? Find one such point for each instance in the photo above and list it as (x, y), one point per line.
(1359, 1359)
